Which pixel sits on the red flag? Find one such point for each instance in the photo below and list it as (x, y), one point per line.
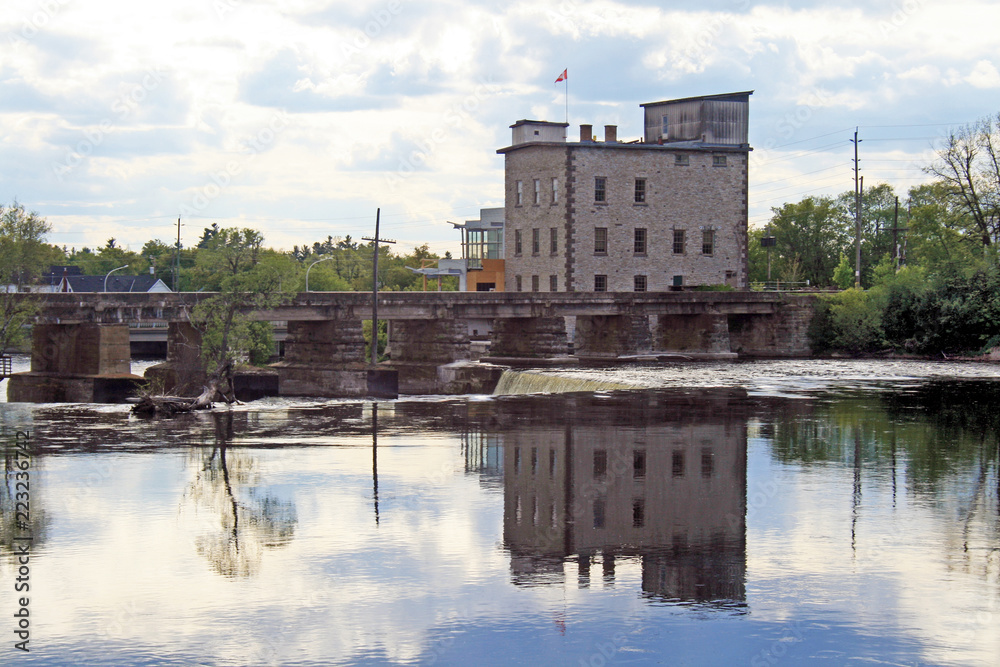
(563, 76)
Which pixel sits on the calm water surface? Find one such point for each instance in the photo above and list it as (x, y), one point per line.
(757, 513)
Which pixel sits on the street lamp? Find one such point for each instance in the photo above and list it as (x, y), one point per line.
(310, 269)
(109, 273)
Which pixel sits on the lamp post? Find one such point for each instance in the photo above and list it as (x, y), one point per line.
(310, 269)
(109, 273)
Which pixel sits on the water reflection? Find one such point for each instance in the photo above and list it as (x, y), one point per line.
(856, 524)
(660, 478)
(250, 517)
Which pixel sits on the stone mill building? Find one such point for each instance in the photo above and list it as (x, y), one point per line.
(666, 211)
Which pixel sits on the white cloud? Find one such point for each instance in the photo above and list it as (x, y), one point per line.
(984, 75)
(376, 79)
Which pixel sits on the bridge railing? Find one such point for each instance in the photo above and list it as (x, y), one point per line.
(6, 366)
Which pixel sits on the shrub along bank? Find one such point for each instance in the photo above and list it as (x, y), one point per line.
(911, 311)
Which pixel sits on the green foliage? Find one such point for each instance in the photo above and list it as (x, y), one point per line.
(855, 319)
(843, 275)
(810, 235)
(24, 256)
(245, 283)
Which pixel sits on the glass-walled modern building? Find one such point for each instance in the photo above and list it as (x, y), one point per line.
(483, 251)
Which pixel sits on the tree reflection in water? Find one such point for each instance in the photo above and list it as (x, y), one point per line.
(251, 518)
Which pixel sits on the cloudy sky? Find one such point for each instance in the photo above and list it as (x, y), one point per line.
(301, 117)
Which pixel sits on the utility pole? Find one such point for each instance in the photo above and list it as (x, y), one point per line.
(896, 255)
(376, 241)
(858, 185)
(177, 258)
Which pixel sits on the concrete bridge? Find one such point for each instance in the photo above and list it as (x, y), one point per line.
(81, 341)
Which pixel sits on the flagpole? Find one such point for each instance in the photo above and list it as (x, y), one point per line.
(566, 81)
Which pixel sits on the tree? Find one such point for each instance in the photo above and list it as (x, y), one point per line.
(810, 236)
(940, 232)
(23, 257)
(229, 336)
(969, 165)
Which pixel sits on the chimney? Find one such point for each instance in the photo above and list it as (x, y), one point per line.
(586, 133)
(611, 134)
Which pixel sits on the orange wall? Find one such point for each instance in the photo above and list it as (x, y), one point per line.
(492, 272)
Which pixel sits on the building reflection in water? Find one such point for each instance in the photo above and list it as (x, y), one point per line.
(658, 476)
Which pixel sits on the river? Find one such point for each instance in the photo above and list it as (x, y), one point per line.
(758, 513)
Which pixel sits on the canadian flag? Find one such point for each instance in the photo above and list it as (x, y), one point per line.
(563, 76)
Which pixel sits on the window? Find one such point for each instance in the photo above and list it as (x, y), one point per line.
(519, 193)
(638, 512)
(600, 283)
(600, 189)
(517, 460)
(536, 241)
(517, 283)
(678, 241)
(553, 283)
(708, 242)
(552, 466)
(640, 283)
(534, 460)
(553, 240)
(639, 463)
(517, 241)
(538, 192)
(677, 464)
(534, 284)
(555, 190)
(600, 462)
(600, 240)
(718, 160)
(640, 191)
(639, 245)
(681, 160)
(665, 126)
(707, 463)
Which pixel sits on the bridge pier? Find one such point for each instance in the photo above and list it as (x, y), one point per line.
(610, 336)
(76, 363)
(323, 358)
(782, 334)
(528, 338)
(703, 336)
(433, 357)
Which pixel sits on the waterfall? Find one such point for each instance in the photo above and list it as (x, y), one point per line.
(527, 382)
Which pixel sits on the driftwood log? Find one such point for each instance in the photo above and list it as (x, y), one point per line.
(219, 387)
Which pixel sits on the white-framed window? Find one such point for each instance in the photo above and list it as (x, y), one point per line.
(538, 191)
(518, 193)
(555, 190)
(600, 189)
(640, 191)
